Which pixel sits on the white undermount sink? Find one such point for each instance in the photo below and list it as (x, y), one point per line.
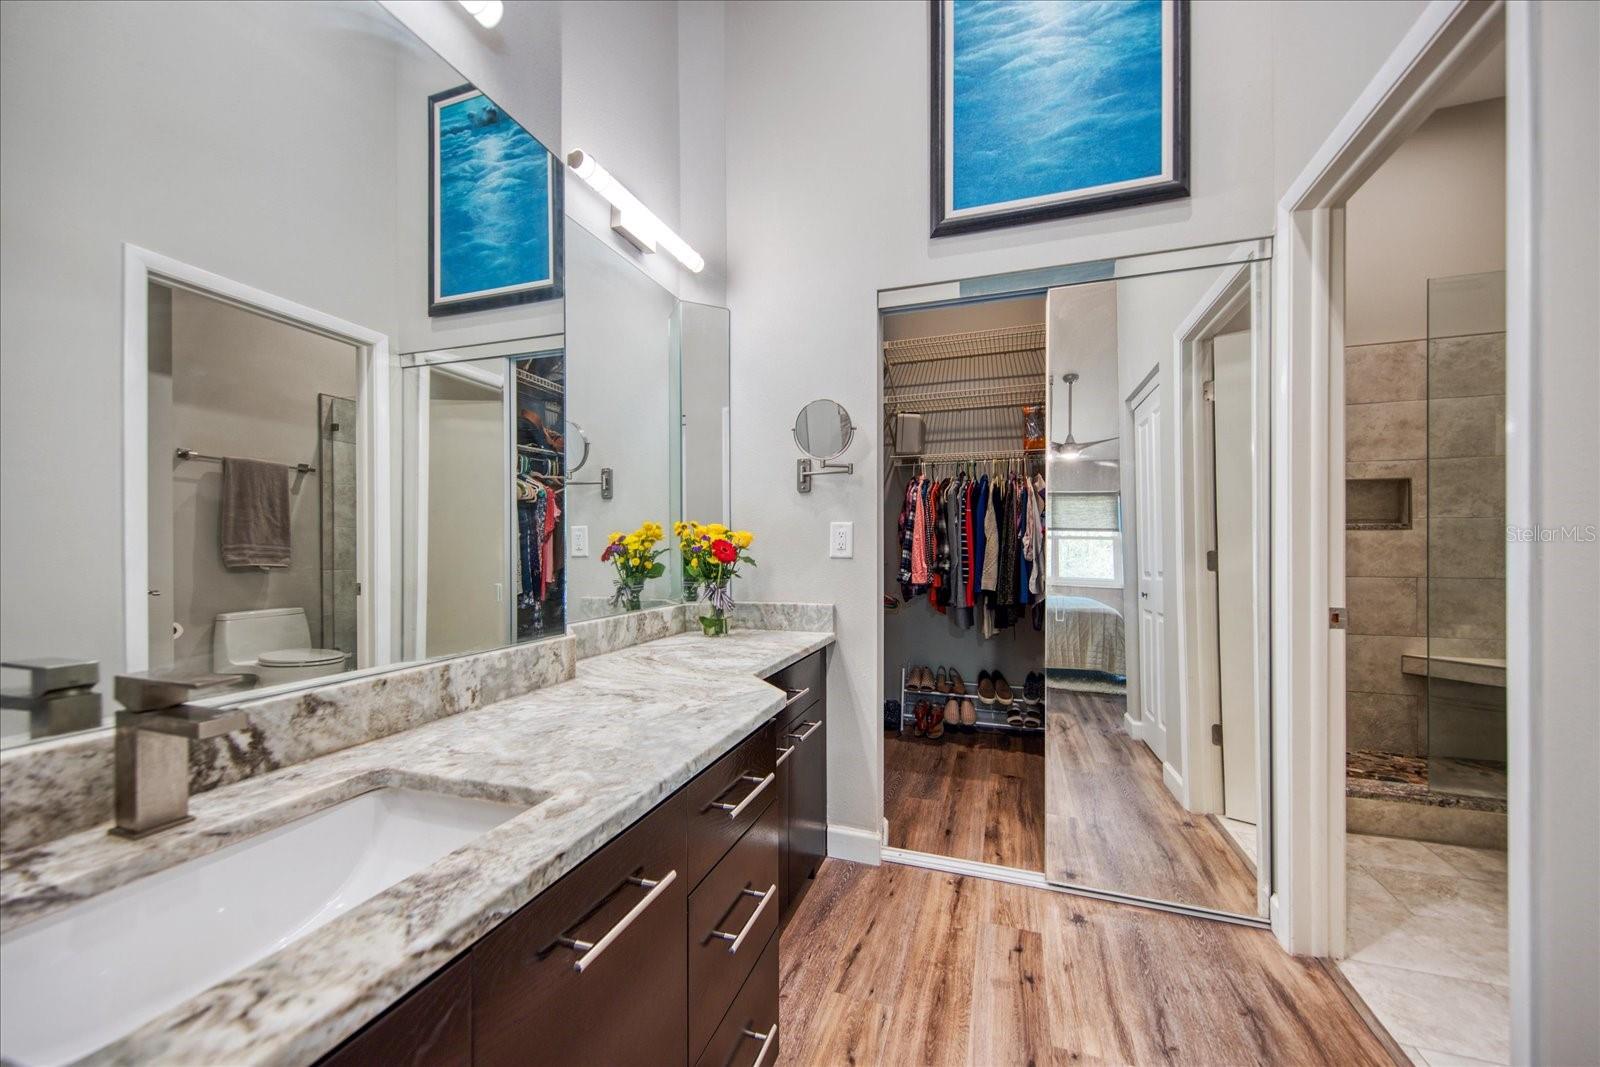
(80, 979)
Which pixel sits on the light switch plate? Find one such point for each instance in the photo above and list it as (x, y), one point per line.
(841, 540)
(579, 536)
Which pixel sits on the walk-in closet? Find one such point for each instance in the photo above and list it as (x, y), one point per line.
(964, 393)
(1075, 559)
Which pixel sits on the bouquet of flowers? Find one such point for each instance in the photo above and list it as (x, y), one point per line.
(635, 556)
(711, 556)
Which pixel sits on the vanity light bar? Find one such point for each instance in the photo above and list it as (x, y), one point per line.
(631, 218)
(487, 12)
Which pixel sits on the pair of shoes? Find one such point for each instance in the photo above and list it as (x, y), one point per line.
(933, 719)
(919, 680)
(948, 680)
(1033, 717)
(1033, 687)
(919, 715)
(994, 689)
(959, 713)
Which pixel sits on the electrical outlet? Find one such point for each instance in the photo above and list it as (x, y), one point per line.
(841, 540)
(579, 537)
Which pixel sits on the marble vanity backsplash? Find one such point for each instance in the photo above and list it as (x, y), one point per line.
(60, 787)
(55, 788)
(596, 637)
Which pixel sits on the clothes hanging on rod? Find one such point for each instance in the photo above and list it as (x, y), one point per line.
(974, 547)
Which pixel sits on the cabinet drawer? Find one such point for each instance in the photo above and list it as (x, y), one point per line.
(620, 916)
(748, 1036)
(728, 797)
(431, 1027)
(808, 676)
(732, 915)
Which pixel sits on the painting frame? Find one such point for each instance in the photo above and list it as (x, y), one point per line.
(1172, 184)
(551, 288)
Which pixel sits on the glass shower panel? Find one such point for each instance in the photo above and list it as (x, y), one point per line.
(1465, 664)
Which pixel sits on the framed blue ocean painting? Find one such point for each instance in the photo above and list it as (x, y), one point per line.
(494, 227)
(1043, 109)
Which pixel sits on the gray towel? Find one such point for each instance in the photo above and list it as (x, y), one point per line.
(255, 514)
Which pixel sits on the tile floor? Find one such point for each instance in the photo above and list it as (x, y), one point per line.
(1426, 946)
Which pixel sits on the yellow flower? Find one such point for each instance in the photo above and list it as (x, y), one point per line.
(615, 537)
(741, 538)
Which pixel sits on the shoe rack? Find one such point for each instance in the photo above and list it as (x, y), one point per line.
(991, 716)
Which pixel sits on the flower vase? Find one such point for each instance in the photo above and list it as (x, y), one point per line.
(630, 594)
(691, 590)
(715, 624)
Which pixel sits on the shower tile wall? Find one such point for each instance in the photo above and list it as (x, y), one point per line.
(1386, 437)
(337, 417)
(1452, 449)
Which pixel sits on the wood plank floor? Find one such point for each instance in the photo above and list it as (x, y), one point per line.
(1112, 823)
(896, 965)
(969, 796)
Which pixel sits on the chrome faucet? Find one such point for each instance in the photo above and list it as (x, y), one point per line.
(152, 744)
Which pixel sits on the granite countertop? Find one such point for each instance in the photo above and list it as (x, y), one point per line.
(592, 754)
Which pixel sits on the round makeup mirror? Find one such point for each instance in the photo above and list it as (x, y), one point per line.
(577, 448)
(823, 429)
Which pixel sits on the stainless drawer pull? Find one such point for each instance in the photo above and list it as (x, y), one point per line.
(735, 810)
(785, 753)
(795, 696)
(766, 1043)
(811, 728)
(591, 949)
(750, 923)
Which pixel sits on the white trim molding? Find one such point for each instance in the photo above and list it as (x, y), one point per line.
(1308, 738)
(854, 845)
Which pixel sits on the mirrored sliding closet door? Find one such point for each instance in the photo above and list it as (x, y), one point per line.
(1155, 624)
(1075, 631)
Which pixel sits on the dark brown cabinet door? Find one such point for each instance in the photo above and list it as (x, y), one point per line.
(728, 797)
(431, 1027)
(748, 1036)
(622, 918)
(806, 802)
(732, 915)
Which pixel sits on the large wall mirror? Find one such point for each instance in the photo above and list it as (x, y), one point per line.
(204, 292)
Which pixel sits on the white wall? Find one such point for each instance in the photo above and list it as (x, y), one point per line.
(469, 591)
(827, 202)
(1435, 208)
(1553, 480)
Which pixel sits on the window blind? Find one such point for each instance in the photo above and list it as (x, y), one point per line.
(1085, 511)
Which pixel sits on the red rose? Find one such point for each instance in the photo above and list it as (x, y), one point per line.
(724, 551)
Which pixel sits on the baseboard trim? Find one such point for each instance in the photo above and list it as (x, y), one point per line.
(854, 845)
(1036, 880)
(1173, 781)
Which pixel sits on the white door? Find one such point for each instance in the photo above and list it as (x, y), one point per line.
(1151, 569)
(1233, 428)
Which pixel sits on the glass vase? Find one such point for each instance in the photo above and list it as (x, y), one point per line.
(630, 594)
(715, 624)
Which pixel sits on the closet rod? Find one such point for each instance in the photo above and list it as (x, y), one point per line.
(930, 458)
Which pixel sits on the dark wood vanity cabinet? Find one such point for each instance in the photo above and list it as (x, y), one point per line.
(662, 947)
(802, 776)
(431, 1027)
(620, 916)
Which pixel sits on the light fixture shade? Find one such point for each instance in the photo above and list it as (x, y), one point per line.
(637, 224)
(487, 12)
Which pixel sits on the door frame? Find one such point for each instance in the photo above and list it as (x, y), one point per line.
(141, 267)
(1308, 651)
